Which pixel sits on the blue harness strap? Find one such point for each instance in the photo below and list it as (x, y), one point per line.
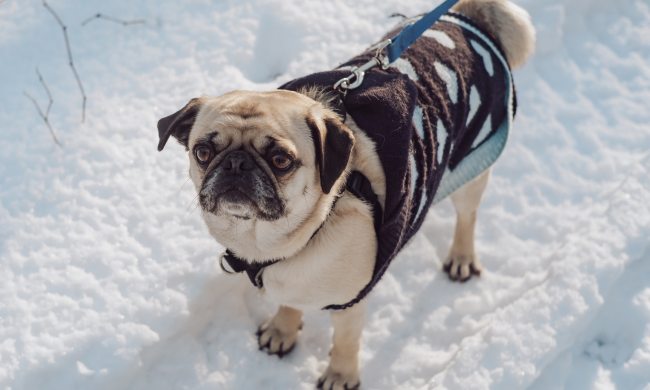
(412, 32)
(394, 47)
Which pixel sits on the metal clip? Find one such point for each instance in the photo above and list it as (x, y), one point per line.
(379, 53)
(355, 79)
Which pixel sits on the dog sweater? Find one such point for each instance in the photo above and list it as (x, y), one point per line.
(438, 116)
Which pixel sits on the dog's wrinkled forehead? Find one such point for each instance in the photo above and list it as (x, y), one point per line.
(251, 119)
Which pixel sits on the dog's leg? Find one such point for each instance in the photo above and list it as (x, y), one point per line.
(343, 370)
(278, 335)
(462, 261)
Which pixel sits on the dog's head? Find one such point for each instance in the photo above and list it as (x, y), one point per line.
(266, 163)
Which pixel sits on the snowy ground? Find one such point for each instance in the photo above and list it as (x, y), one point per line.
(108, 278)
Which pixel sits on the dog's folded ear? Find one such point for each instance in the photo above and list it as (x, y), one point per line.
(333, 143)
(178, 124)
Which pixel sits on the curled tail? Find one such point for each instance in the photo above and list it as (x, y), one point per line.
(507, 22)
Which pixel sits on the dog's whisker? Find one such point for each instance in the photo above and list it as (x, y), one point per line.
(193, 204)
(182, 186)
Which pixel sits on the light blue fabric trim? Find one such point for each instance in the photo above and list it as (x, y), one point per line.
(487, 153)
(473, 164)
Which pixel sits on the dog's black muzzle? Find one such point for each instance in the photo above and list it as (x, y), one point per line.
(238, 179)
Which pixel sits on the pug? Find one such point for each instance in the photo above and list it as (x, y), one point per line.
(313, 190)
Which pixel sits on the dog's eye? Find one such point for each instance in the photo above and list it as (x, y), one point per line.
(281, 161)
(203, 154)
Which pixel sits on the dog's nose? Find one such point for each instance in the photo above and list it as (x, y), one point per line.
(238, 161)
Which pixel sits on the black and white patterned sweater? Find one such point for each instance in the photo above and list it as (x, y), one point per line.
(439, 116)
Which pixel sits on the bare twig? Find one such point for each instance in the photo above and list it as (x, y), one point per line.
(43, 116)
(70, 60)
(112, 19)
(47, 90)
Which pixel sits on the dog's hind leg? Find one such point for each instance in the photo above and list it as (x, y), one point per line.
(278, 335)
(462, 261)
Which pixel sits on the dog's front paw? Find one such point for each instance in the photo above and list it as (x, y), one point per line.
(462, 267)
(333, 380)
(275, 341)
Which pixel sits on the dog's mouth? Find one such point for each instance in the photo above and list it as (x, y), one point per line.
(243, 197)
(235, 202)
(235, 194)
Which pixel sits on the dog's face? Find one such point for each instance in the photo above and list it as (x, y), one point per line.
(264, 165)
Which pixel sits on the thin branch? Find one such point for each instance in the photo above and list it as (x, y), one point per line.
(47, 90)
(70, 61)
(45, 117)
(112, 19)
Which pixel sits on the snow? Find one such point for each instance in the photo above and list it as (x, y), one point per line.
(109, 279)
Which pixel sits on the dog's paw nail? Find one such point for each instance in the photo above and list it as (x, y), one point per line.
(336, 380)
(275, 342)
(464, 273)
(281, 352)
(461, 268)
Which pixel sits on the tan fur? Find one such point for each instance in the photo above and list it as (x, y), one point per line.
(257, 239)
(279, 334)
(462, 261)
(343, 370)
(509, 23)
(334, 267)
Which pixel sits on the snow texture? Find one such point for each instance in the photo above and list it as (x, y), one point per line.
(109, 279)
